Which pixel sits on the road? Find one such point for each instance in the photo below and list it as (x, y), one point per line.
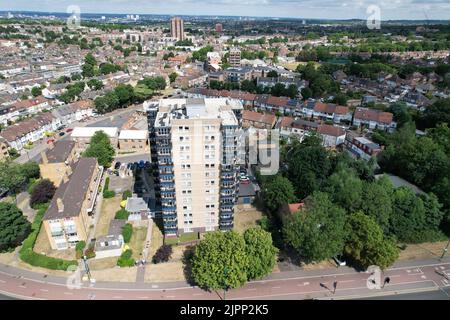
(441, 294)
(412, 277)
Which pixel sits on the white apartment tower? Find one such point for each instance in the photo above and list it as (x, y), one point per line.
(196, 151)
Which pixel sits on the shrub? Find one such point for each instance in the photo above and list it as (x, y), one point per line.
(79, 249)
(42, 192)
(127, 231)
(27, 254)
(107, 194)
(127, 194)
(163, 254)
(122, 214)
(125, 259)
(90, 253)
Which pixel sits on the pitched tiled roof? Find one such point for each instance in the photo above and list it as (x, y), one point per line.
(373, 115)
(330, 108)
(258, 117)
(330, 130)
(20, 129)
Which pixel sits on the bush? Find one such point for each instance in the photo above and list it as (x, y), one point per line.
(127, 232)
(163, 254)
(27, 254)
(79, 249)
(125, 259)
(42, 192)
(107, 194)
(122, 214)
(127, 194)
(90, 252)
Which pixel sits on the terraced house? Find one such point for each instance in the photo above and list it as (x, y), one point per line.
(195, 144)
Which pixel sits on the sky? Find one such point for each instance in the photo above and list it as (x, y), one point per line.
(320, 9)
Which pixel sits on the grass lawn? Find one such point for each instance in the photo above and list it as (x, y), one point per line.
(107, 213)
(157, 241)
(246, 218)
(137, 241)
(422, 251)
(104, 263)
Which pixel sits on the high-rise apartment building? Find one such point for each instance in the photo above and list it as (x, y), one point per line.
(177, 28)
(235, 57)
(195, 145)
(219, 28)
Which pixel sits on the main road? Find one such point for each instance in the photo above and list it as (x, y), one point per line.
(408, 278)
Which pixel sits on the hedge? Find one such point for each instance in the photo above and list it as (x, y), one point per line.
(106, 192)
(122, 214)
(27, 254)
(125, 259)
(126, 194)
(127, 232)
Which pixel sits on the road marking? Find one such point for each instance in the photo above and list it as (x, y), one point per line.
(343, 281)
(199, 294)
(143, 297)
(276, 287)
(423, 277)
(2, 281)
(155, 286)
(170, 296)
(22, 286)
(251, 289)
(306, 283)
(442, 267)
(44, 290)
(117, 297)
(68, 293)
(408, 271)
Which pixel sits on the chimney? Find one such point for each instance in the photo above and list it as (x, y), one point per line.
(60, 205)
(44, 157)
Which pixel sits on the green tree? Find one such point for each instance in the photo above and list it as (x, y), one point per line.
(36, 91)
(100, 148)
(261, 252)
(172, 77)
(220, 261)
(127, 232)
(278, 192)
(14, 227)
(317, 233)
(366, 245)
(345, 189)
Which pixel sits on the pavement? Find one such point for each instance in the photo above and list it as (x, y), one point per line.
(415, 277)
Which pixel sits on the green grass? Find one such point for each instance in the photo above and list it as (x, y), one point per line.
(27, 254)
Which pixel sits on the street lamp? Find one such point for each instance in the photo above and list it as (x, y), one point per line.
(445, 250)
(86, 267)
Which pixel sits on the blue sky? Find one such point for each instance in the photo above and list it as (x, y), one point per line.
(329, 9)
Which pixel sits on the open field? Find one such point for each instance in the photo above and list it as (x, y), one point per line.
(423, 251)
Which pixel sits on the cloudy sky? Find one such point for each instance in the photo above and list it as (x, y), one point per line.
(329, 9)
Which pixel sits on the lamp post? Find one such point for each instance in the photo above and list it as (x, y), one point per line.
(445, 250)
(86, 267)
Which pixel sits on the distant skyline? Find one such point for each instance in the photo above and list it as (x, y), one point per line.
(318, 9)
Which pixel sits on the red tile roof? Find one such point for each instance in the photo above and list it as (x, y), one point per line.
(374, 115)
(286, 122)
(330, 108)
(330, 130)
(258, 117)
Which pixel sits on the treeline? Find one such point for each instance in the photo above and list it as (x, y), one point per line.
(346, 210)
(124, 95)
(278, 90)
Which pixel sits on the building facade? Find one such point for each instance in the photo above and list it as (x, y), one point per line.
(194, 142)
(177, 28)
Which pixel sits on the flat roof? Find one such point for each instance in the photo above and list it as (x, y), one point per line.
(133, 134)
(83, 132)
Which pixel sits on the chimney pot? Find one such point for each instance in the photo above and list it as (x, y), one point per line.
(60, 205)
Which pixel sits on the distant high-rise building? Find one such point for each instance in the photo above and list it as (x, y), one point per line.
(177, 28)
(219, 27)
(235, 58)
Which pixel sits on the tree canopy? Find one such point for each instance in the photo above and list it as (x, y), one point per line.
(14, 227)
(100, 148)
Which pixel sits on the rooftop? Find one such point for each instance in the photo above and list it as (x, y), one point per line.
(83, 132)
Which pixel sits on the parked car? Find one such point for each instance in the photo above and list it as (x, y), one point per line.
(245, 181)
(141, 164)
(117, 165)
(62, 133)
(69, 130)
(339, 261)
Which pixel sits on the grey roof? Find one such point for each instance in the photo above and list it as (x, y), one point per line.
(60, 152)
(398, 182)
(246, 190)
(115, 227)
(111, 242)
(135, 204)
(73, 192)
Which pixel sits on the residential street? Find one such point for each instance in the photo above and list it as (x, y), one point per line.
(418, 277)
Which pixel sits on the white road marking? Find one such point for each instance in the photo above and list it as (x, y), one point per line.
(68, 293)
(2, 281)
(117, 297)
(155, 286)
(143, 297)
(343, 281)
(44, 290)
(170, 296)
(276, 287)
(199, 294)
(423, 277)
(408, 271)
(306, 283)
(251, 289)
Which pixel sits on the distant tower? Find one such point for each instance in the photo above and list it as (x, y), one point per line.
(304, 22)
(219, 28)
(177, 28)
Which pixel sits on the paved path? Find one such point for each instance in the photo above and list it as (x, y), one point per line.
(413, 278)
